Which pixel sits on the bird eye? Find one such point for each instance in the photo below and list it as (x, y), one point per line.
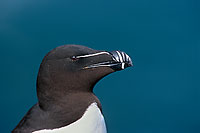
(73, 58)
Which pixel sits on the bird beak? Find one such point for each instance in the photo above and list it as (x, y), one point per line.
(119, 61)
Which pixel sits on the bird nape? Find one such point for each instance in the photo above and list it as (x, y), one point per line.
(65, 82)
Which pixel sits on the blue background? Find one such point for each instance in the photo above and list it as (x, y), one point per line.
(160, 94)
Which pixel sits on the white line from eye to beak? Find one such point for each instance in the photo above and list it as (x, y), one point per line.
(90, 55)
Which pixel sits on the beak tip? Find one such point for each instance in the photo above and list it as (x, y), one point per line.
(130, 63)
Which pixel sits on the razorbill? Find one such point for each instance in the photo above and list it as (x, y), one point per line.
(65, 82)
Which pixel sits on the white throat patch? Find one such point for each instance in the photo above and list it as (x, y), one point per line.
(92, 121)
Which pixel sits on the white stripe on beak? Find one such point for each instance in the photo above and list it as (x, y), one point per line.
(120, 56)
(123, 65)
(127, 58)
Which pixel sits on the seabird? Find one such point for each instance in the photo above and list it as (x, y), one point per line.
(65, 82)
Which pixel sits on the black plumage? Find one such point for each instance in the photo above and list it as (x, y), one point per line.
(65, 86)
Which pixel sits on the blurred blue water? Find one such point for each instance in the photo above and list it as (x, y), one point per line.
(161, 94)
